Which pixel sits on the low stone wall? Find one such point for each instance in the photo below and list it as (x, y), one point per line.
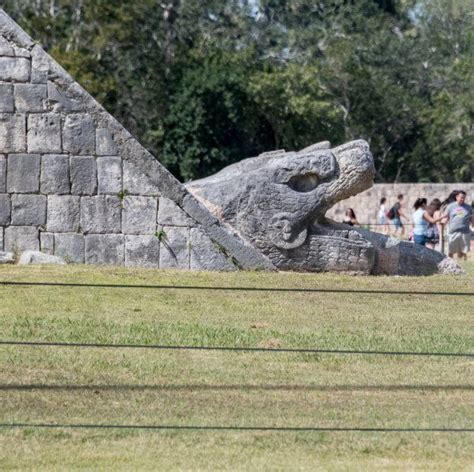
(366, 204)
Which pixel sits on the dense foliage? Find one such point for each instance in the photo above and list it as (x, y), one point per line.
(204, 83)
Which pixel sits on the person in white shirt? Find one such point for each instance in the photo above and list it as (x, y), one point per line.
(382, 219)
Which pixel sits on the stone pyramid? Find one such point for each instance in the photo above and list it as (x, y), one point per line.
(75, 183)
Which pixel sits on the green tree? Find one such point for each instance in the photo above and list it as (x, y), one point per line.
(204, 83)
(212, 120)
(446, 144)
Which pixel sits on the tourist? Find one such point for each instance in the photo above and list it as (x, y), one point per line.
(471, 227)
(451, 198)
(421, 219)
(382, 219)
(433, 231)
(350, 218)
(395, 214)
(459, 215)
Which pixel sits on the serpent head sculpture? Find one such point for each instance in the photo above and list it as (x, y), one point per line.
(277, 202)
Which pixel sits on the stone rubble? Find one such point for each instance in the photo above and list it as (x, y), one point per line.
(7, 257)
(36, 257)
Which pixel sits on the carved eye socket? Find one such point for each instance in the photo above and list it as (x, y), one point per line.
(304, 182)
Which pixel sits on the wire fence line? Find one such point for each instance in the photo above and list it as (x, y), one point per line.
(236, 289)
(223, 428)
(236, 387)
(233, 348)
(388, 224)
(163, 427)
(236, 428)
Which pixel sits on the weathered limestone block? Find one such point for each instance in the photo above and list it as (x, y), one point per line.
(1, 238)
(208, 256)
(169, 214)
(70, 246)
(192, 206)
(58, 100)
(55, 174)
(109, 174)
(3, 174)
(9, 29)
(5, 209)
(6, 49)
(28, 210)
(15, 69)
(40, 66)
(12, 132)
(135, 183)
(79, 134)
(47, 243)
(23, 172)
(101, 214)
(105, 143)
(44, 133)
(30, 97)
(63, 213)
(19, 52)
(6, 98)
(142, 251)
(174, 247)
(105, 249)
(21, 238)
(387, 260)
(413, 261)
(37, 257)
(83, 175)
(139, 215)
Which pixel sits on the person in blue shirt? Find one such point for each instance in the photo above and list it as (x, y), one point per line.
(421, 219)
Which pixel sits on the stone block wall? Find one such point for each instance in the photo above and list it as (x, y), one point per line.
(366, 204)
(75, 183)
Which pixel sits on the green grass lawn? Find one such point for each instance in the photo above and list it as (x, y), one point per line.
(139, 386)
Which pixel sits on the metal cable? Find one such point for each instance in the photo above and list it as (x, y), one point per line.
(238, 349)
(235, 289)
(237, 428)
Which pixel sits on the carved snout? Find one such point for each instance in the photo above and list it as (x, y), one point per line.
(356, 170)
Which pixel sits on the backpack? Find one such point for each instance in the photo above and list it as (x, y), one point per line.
(391, 213)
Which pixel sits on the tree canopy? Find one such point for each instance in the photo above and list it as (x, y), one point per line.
(204, 83)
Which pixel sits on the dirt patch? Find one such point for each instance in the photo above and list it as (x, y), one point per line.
(271, 343)
(258, 325)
